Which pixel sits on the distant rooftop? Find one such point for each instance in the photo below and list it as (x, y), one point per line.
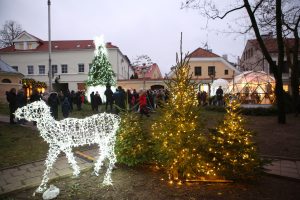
(202, 53)
(4, 67)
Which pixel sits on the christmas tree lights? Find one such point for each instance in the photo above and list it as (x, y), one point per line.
(179, 133)
(101, 72)
(63, 135)
(231, 149)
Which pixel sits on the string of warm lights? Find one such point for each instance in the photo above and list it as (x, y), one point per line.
(178, 133)
(233, 153)
(63, 135)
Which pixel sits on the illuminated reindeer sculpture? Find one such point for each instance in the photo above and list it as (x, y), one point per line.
(70, 132)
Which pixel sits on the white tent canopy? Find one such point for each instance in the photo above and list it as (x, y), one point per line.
(217, 83)
(253, 87)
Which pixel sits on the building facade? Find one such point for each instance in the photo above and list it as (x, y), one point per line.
(253, 59)
(207, 66)
(9, 78)
(70, 60)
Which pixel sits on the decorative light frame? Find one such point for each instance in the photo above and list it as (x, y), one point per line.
(71, 132)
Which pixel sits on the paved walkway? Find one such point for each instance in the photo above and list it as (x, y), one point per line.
(30, 175)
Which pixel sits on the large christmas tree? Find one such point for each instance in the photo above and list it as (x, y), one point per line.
(231, 148)
(178, 132)
(101, 72)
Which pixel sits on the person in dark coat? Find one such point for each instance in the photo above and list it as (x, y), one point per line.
(119, 98)
(136, 100)
(109, 98)
(219, 94)
(129, 97)
(65, 107)
(68, 94)
(78, 100)
(53, 102)
(92, 97)
(97, 101)
(72, 97)
(11, 97)
(21, 101)
(35, 96)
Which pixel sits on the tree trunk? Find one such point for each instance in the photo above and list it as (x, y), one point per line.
(279, 84)
(275, 68)
(295, 74)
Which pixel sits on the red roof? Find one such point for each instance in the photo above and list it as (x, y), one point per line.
(271, 43)
(150, 71)
(61, 45)
(202, 53)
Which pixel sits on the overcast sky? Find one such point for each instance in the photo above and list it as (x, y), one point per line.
(137, 27)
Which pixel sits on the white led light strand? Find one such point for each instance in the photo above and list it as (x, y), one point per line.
(70, 132)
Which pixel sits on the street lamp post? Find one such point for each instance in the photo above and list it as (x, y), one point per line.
(49, 47)
(144, 70)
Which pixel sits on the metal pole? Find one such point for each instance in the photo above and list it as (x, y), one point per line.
(49, 48)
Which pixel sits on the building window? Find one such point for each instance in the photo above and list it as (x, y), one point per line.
(29, 45)
(41, 69)
(30, 69)
(80, 67)
(226, 71)
(211, 71)
(64, 69)
(21, 45)
(15, 68)
(54, 69)
(198, 71)
(6, 80)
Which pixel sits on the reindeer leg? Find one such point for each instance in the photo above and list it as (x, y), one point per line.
(112, 160)
(102, 156)
(51, 158)
(72, 161)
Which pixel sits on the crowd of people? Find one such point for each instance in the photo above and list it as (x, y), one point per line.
(217, 99)
(143, 101)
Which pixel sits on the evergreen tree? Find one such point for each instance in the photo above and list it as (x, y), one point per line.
(101, 72)
(178, 132)
(232, 150)
(131, 144)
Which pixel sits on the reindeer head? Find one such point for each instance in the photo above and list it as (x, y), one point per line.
(33, 111)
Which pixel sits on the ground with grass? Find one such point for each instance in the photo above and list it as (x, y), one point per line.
(19, 145)
(145, 182)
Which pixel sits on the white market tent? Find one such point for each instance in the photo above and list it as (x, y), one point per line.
(253, 87)
(219, 82)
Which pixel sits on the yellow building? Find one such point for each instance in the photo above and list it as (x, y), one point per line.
(207, 66)
(9, 78)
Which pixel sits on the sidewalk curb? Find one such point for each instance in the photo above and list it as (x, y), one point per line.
(26, 187)
(279, 158)
(282, 177)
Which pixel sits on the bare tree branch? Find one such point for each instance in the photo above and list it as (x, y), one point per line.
(10, 30)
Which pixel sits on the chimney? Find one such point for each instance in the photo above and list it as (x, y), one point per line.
(108, 43)
(210, 50)
(225, 56)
